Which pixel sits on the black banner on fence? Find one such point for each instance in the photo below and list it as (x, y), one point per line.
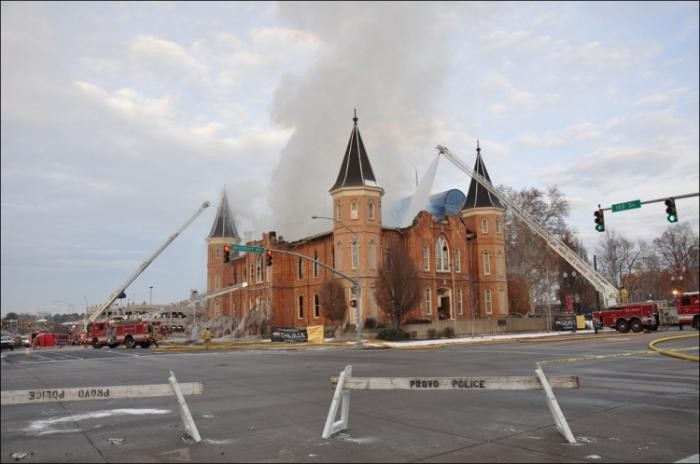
(289, 334)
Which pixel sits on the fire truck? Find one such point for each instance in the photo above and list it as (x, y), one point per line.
(688, 309)
(114, 332)
(684, 310)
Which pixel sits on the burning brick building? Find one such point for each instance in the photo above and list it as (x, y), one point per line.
(457, 244)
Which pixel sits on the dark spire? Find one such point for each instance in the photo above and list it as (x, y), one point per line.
(224, 226)
(355, 169)
(478, 196)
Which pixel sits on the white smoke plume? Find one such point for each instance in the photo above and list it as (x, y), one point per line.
(388, 60)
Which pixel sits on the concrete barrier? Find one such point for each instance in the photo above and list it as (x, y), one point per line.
(344, 383)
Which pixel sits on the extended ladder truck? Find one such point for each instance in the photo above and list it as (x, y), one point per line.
(632, 316)
(602, 286)
(112, 333)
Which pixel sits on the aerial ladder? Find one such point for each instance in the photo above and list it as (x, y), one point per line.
(120, 290)
(606, 289)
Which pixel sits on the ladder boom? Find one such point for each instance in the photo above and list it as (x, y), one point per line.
(607, 290)
(144, 265)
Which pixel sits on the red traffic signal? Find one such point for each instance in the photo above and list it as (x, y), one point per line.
(227, 253)
(269, 258)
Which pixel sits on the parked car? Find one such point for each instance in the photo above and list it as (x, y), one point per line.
(8, 342)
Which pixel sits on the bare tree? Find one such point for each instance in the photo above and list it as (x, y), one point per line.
(398, 290)
(678, 249)
(527, 254)
(332, 299)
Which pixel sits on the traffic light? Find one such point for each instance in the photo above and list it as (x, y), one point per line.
(269, 258)
(599, 220)
(671, 210)
(227, 253)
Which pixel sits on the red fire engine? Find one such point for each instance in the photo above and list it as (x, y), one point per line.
(114, 332)
(685, 310)
(688, 309)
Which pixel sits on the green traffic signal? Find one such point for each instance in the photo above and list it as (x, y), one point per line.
(672, 214)
(599, 220)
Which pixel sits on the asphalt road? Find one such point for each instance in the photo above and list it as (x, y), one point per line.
(271, 405)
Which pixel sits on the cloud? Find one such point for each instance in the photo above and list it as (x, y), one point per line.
(515, 98)
(158, 57)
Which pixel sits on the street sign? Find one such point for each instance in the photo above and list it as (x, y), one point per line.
(616, 208)
(252, 249)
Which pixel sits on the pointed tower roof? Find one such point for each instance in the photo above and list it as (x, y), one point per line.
(223, 226)
(355, 170)
(478, 196)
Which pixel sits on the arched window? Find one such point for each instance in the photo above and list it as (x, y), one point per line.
(426, 258)
(353, 210)
(442, 255)
(300, 268)
(488, 301)
(458, 260)
(487, 262)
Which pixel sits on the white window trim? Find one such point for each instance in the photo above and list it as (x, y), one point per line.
(428, 301)
(498, 226)
(460, 309)
(486, 257)
(458, 260)
(426, 258)
(442, 258)
(354, 209)
(355, 255)
(370, 211)
(484, 226)
(488, 301)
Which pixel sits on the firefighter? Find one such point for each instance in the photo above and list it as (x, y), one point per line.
(153, 334)
(207, 338)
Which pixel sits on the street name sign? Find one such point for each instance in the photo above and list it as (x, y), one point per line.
(626, 205)
(251, 249)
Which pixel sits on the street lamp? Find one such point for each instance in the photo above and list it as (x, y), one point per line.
(150, 295)
(356, 282)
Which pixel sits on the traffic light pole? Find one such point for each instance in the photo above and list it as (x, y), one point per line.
(659, 200)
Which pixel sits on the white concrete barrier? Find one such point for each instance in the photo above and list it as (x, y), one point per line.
(345, 383)
(45, 395)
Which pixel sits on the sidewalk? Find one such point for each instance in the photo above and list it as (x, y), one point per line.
(227, 342)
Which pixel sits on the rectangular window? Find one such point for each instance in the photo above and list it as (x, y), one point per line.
(259, 269)
(300, 268)
(487, 262)
(459, 302)
(373, 255)
(315, 264)
(353, 210)
(370, 210)
(484, 226)
(428, 301)
(488, 301)
(498, 226)
(426, 258)
(337, 211)
(300, 307)
(355, 255)
(317, 307)
(458, 260)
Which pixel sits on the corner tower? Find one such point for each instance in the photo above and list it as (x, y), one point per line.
(483, 214)
(357, 225)
(220, 274)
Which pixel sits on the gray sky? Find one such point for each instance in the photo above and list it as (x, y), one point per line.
(119, 119)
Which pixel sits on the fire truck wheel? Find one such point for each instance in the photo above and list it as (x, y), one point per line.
(96, 344)
(636, 325)
(129, 342)
(622, 326)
